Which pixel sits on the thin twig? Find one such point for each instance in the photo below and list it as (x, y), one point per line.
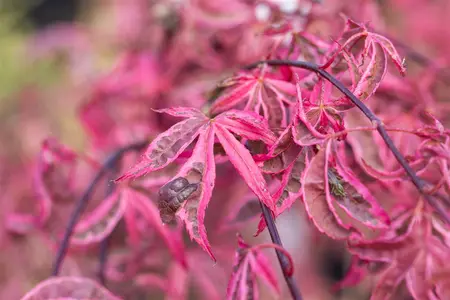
(82, 202)
(419, 183)
(284, 262)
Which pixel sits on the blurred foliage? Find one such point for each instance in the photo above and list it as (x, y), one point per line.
(11, 53)
(20, 74)
(17, 70)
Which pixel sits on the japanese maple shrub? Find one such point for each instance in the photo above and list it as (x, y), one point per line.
(240, 117)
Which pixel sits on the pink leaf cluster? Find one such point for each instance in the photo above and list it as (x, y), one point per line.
(218, 117)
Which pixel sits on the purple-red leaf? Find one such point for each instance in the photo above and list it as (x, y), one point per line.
(413, 250)
(290, 189)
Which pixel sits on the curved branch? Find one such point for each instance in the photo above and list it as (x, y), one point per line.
(419, 183)
(284, 261)
(84, 199)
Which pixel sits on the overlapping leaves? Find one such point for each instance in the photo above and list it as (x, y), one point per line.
(130, 205)
(414, 251)
(199, 170)
(366, 54)
(262, 93)
(332, 194)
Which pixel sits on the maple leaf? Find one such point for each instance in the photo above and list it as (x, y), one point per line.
(60, 176)
(415, 249)
(359, 41)
(189, 197)
(126, 203)
(293, 150)
(331, 192)
(262, 92)
(289, 159)
(316, 118)
(57, 189)
(422, 146)
(323, 153)
(69, 288)
(250, 263)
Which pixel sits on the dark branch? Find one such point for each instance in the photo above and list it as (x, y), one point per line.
(419, 183)
(284, 262)
(82, 202)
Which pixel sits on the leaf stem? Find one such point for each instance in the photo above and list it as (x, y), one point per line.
(84, 199)
(417, 181)
(285, 263)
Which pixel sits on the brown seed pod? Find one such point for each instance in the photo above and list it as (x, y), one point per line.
(172, 195)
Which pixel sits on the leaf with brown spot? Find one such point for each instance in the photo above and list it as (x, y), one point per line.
(200, 169)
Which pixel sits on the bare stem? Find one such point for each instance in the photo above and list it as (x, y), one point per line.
(419, 183)
(84, 199)
(284, 261)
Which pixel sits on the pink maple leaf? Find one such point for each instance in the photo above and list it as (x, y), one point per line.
(416, 256)
(331, 192)
(187, 195)
(261, 92)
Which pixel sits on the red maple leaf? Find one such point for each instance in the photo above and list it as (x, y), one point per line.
(261, 92)
(191, 198)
